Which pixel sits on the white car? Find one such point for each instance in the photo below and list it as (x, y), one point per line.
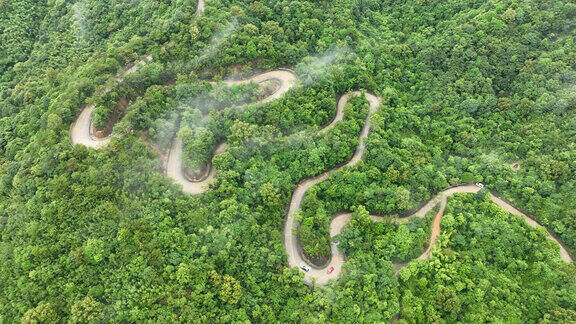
(304, 267)
(479, 185)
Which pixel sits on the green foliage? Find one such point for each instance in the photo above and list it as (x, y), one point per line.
(490, 266)
(43, 313)
(468, 88)
(199, 135)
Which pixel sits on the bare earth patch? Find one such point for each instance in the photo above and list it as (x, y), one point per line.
(515, 166)
(107, 130)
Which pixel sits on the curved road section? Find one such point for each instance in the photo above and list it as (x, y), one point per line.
(81, 129)
(174, 166)
(337, 224)
(320, 275)
(290, 239)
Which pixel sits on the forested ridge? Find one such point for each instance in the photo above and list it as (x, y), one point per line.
(472, 91)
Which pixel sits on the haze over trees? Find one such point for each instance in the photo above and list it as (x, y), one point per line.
(469, 87)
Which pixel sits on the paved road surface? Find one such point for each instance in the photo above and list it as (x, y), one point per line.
(80, 133)
(290, 239)
(174, 167)
(81, 129)
(339, 222)
(339, 112)
(319, 276)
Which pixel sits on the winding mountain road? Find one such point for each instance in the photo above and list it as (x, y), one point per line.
(200, 8)
(81, 129)
(175, 171)
(174, 166)
(291, 242)
(319, 276)
(81, 133)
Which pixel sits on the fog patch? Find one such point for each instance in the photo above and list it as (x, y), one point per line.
(217, 40)
(81, 26)
(317, 69)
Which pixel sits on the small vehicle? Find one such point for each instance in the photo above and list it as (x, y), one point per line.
(479, 185)
(329, 271)
(304, 267)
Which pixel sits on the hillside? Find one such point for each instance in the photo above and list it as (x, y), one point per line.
(186, 161)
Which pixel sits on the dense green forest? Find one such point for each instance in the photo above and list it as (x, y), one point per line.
(489, 266)
(468, 87)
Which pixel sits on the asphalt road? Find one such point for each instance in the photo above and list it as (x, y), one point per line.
(320, 277)
(174, 167)
(81, 129)
(80, 133)
(290, 239)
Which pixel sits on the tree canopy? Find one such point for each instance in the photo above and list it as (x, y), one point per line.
(468, 88)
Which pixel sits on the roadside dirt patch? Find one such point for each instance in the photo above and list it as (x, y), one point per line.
(154, 147)
(318, 262)
(270, 87)
(515, 166)
(197, 175)
(119, 110)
